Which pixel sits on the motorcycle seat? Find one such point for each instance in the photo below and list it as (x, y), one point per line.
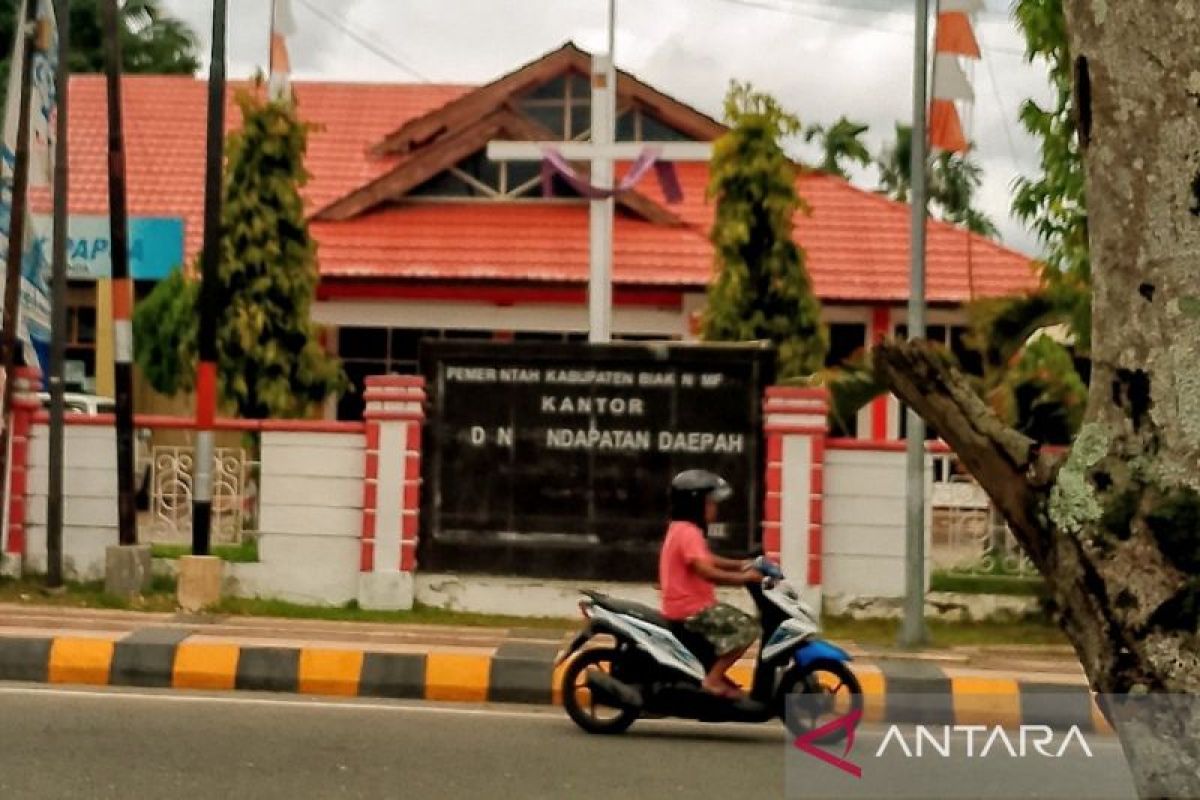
(629, 608)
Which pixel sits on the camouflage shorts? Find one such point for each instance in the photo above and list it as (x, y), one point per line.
(727, 629)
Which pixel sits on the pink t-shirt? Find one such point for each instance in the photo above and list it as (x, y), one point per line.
(684, 593)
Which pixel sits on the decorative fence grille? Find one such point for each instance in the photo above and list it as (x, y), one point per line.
(235, 495)
(969, 536)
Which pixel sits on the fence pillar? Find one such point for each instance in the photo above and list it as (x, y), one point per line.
(796, 429)
(395, 409)
(25, 405)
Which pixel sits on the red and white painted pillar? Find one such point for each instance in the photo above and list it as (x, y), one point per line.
(25, 405)
(395, 409)
(796, 425)
(881, 328)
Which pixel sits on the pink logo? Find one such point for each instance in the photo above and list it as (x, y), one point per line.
(808, 742)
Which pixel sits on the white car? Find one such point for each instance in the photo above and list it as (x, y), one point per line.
(92, 405)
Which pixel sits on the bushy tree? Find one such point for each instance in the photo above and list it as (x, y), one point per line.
(164, 330)
(271, 362)
(761, 290)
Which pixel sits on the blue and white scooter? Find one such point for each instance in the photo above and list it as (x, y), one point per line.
(655, 667)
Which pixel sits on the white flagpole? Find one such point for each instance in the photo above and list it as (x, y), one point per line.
(913, 633)
(600, 212)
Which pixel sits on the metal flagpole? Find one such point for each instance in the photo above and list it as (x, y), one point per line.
(58, 304)
(206, 369)
(913, 632)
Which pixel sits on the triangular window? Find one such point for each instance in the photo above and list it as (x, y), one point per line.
(477, 176)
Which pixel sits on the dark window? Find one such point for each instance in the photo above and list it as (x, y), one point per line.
(551, 117)
(581, 86)
(445, 184)
(627, 125)
(581, 120)
(481, 168)
(351, 404)
(363, 343)
(520, 172)
(654, 130)
(845, 339)
(554, 89)
(968, 357)
(537, 337)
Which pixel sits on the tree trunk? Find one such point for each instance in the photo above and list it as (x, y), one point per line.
(1115, 526)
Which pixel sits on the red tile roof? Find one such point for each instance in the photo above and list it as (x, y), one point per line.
(164, 132)
(856, 242)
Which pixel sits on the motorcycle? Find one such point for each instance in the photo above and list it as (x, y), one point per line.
(655, 667)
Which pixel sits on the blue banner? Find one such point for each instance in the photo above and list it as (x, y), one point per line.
(155, 247)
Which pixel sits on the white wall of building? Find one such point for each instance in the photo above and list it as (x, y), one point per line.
(310, 519)
(864, 524)
(89, 499)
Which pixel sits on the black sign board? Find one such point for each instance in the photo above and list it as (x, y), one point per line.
(555, 460)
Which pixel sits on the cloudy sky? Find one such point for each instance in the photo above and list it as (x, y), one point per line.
(821, 58)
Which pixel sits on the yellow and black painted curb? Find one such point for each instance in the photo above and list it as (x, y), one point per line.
(515, 672)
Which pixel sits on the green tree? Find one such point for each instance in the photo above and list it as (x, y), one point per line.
(271, 363)
(1054, 203)
(164, 330)
(841, 141)
(954, 179)
(152, 41)
(895, 165)
(761, 290)
(1113, 525)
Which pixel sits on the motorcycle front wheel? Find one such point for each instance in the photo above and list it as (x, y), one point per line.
(578, 700)
(816, 696)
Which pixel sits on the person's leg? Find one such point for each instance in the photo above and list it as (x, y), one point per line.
(716, 681)
(731, 632)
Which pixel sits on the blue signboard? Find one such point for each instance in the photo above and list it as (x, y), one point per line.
(155, 247)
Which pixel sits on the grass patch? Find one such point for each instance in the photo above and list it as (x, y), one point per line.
(419, 615)
(33, 592)
(1014, 585)
(244, 553)
(942, 633)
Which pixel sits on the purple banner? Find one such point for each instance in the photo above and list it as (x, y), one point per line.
(553, 164)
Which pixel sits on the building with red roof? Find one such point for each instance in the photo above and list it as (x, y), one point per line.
(420, 235)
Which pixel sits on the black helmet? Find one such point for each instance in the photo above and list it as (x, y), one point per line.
(689, 491)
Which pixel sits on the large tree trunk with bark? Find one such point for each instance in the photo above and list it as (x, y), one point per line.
(1115, 526)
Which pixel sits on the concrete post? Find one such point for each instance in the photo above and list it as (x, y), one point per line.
(796, 429)
(25, 405)
(391, 490)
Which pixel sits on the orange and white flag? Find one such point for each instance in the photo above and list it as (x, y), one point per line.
(283, 24)
(955, 40)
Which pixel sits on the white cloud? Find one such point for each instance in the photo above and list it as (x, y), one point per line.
(821, 58)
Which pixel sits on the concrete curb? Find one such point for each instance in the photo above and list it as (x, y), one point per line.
(516, 672)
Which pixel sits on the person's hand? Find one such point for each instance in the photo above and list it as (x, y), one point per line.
(753, 575)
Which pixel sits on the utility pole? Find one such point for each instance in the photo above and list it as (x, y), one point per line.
(122, 285)
(206, 369)
(16, 246)
(913, 632)
(58, 304)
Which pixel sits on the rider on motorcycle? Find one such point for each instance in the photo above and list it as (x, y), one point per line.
(688, 572)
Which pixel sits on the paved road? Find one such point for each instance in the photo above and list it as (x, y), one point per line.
(96, 744)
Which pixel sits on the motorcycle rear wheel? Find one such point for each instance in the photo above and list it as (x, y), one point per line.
(581, 706)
